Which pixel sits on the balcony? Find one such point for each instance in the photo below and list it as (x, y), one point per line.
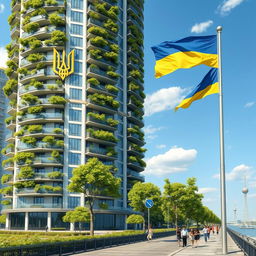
(45, 90)
(91, 121)
(10, 138)
(15, 32)
(138, 120)
(99, 152)
(43, 177)
(47, 161)
(11, 125)
(135, 54)
(45, 131)
(49, 206)
(9, 167)
(41, 74)
(139, 25)
(41, 118)
(100, 89)
(135, 138)
(91, 138)
(10, 152)
(136, 93)
(16, 7)
(135, 166)
(28, 64)
(103, 108)
(101, 62)
(42, 33)
(30, 192)
(138, 14)
(134, 175)
(131, 105)
(93, 22)
(6, 207)
(101, 75)
(133, 151)
(38, 147)
(11, 110)
(42, 102)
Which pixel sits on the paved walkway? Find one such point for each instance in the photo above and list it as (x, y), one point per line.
(168, 247)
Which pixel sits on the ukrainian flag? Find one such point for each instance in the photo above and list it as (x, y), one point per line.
(209, 85)
(185, 53)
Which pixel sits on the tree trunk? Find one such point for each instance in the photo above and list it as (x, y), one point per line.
(176, 218)
(91, 220)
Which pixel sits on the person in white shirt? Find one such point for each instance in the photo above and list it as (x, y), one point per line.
(184, 236)
(205, 232)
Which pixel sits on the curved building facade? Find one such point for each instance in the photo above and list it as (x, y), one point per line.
(57, 124)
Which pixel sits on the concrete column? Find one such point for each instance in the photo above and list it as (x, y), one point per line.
(49, 221)
(125, 224)
(26, 221)
(8, 222)
(72, 226)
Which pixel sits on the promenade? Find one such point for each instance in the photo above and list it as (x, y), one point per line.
(168, 247)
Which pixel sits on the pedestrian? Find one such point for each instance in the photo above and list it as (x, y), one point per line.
(213, 229)
(205, 231)
(197, 237)
(184, 236)
(217, 230)
(192, 236)
(178, 233)
(208, 232)
(150, 233)
(46, 228)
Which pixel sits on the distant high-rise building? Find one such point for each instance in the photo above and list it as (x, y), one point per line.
(60, 117)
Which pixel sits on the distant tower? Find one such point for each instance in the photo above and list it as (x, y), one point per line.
(245, 192)
(235, 216)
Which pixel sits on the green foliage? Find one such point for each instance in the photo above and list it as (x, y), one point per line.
(35, 44)
(136, 74)
(112, 56)
(31, 27)
(99, 41)
(56, 100)
(35, 110)
(10, 87)
(12, 17)
(98, 31)
(93, 179)
(33, 4)
(19, 133)
(93, 81)
(2, 218)
(111, 25)
(35, 128)
(56, 20)
(111, 88)
(111, 151)
(29, 140)
(114, 48)
(6, 190)
(58, 130)
(57, 38)
(79, 214)
(96, 54)
(12, 65)
(100, 117)
(112, 122)
(55, 175)
(137, 159)
(104, 100)
(135, 219)
(29, 99)
(8, 161)
(102, 135)
(23, 71)
(103, 206)
(25, 184)
(6, 177)
(59, 143)
(26, 172)
(55, 154)
(24, 157)
(35, 57)
(113, 74)
(49, 139)
(36, 84)
(5, 202)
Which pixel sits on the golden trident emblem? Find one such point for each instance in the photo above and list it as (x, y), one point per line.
(59, 65)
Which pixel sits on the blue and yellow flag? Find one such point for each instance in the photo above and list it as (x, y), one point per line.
(209, 85)
(185, 53)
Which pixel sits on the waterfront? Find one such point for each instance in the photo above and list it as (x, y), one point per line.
(251, 232)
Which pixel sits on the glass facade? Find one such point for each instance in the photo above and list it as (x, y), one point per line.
(97, 111)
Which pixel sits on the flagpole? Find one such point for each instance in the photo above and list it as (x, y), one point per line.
(222, 158)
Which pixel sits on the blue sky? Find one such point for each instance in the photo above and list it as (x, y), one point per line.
(186, 143)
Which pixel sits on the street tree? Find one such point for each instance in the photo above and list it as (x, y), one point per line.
(135, 219)
(138, 195)
(79, 214)
(94, 179)
(2, 219)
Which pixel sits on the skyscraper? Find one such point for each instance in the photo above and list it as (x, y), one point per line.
(57, 124)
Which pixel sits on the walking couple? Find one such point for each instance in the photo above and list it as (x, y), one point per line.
(183, 234)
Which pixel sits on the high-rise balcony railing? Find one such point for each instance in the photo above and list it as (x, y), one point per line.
(45, 89)
(136, 138)
(42, 32)
(15, 32)
(134, 151)
(133, 21)
(102, 75)
(41, 118)
(45, 131)
(135, 119)
(42, 74)
(103, 63)
(92, 138)
(93, 22)
(138, 13)
(104, 108)
(28, 64)
(42, 205)
(9, 167)
(42, 101)
(28, 191)
(39, 146)
(135, 166)
(99, 123)
(99, 152)
(99, 89)
(49, 161)
(135, 175)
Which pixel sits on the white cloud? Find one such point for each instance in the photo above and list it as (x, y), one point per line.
(163, 99)
(201, 27)
(4, 57)
(150, 129)
(228, 5)
(249, 104)
(209, 200)
(2, 7)
(161, 146)
(206, 190)
(237, 173)
(174, 160)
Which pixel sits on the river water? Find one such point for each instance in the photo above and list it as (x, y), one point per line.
(245, 231)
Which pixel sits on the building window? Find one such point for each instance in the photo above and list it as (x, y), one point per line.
(74, 144)
(57, 200)
(75, 115)
(78, 67)
(74, 158)
(78, 54)
(75, 94)
(77, 4)
(76, 29)
(77, 16)
(75, 129)
(73, 202)
(75, 80)
(38, 200)
(70, 172)
(76, 41)
(75, 105)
